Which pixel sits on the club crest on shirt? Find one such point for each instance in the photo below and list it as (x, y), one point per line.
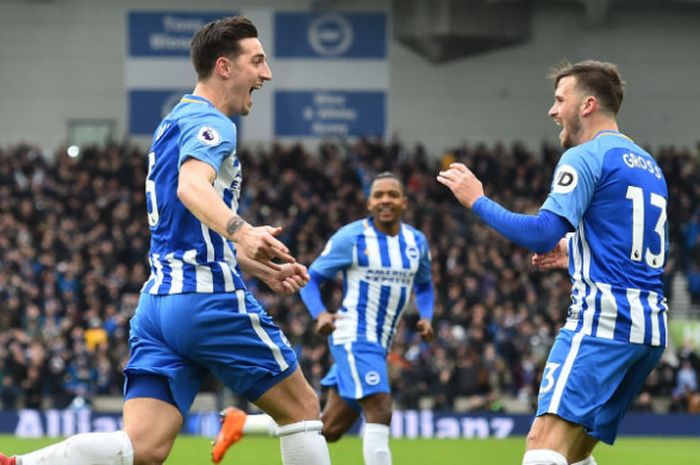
(372, 378)
(412, 253)
(565, 179)
(208, 135)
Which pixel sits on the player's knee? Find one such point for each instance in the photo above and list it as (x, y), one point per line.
(310, 407)
(149, 454)
(303, 408)
(533, 438)
(153, 457)
(379, 411)
(383, 417)
(382, 414)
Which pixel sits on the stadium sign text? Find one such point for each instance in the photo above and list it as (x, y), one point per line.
(426, 424)
(54, 423)
(412, 424)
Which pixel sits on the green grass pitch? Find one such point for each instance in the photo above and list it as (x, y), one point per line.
(348, 451)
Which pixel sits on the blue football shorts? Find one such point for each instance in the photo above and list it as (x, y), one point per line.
(358, 372)
(591, 381)
(183, 337)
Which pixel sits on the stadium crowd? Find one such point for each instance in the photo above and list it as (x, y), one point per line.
(74, 234)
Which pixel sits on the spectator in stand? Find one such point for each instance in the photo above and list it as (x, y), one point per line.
(46, 242)
(687, 380)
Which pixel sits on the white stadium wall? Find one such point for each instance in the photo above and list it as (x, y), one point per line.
(62, 60)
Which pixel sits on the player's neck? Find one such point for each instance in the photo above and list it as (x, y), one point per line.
(212, 95)
(391, 229)
(596, 127)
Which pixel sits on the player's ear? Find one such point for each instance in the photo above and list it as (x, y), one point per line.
(589, 105)
(223, 66)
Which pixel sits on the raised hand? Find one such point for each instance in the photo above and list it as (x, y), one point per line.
(465, 186)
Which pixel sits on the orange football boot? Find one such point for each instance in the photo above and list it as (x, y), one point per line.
(232, 422)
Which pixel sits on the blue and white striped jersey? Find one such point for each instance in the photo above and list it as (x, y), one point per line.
(185, 255)
(614, 194)
(379, 272)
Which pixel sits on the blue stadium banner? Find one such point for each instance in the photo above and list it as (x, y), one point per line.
(330, 112)
(165, 34)
(318, 55)
(404, 424)
(330, 35)
(148, 107)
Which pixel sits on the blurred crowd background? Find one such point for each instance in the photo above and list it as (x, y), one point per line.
(74, 236)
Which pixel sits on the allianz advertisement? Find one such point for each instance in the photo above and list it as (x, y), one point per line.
(330, 72)
(405, 424)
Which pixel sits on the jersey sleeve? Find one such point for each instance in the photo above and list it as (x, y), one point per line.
(209, 138)
(539, 233)
(337, 255)
(424, 273)
(575, 180)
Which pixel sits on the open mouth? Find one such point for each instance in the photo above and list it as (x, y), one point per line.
(255, 87)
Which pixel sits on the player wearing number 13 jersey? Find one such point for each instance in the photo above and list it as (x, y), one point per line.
(612, 195)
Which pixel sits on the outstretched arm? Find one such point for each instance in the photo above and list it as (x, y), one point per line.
(196, 191)
(539, 232)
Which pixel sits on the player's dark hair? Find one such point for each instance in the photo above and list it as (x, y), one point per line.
(219, 38)
(389, 175)
(597, 78)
